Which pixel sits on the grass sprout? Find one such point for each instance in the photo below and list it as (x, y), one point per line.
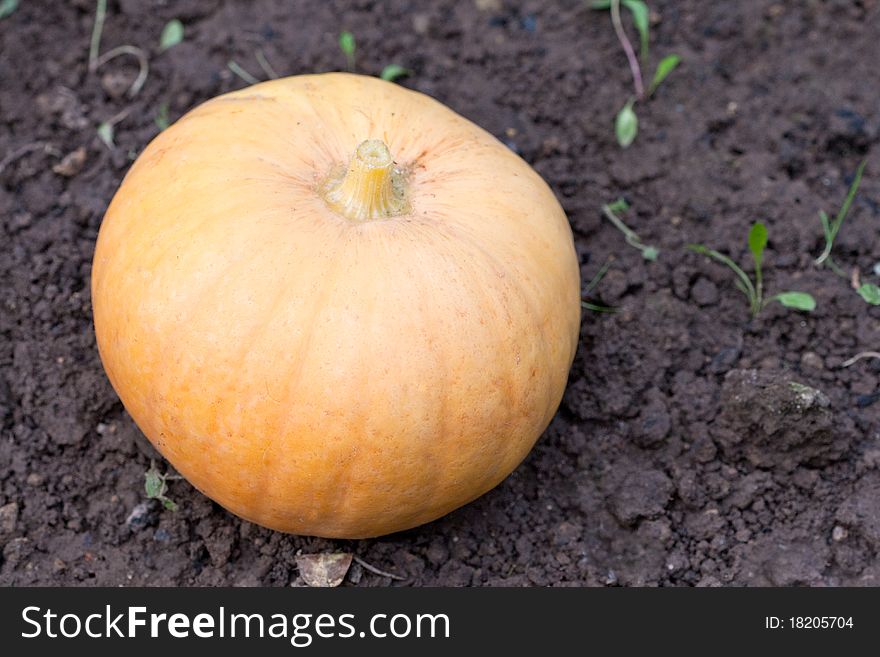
(596, 307)
(754, 290)
(348, 46)
(161, 119)
(626, 122)
(830, 228)
(236, 68)
(394, 71)
(610, 211)
(96, 60)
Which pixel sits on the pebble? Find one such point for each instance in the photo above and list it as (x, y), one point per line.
(704, 292)
(8, 518)
(812, 360)
(724, 360)
(139, 516)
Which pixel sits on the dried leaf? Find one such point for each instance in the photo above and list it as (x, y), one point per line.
(72, 163)
(323, 570)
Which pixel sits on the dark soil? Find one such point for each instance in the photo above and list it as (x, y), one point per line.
(682, 454)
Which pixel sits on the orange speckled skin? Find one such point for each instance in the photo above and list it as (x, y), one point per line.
(317, 375)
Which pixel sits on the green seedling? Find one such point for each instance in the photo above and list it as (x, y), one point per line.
(240, 71)
(172, 34)
(626, 122)
(156, 486)
(106, 133)
(348, 46)
(96, 59)
(394, 71)
(7, 7)
(831, 228)
(162, 120)
(595, 307)
(610, 211)
(754, 291)
(626, 125)
(236, 68)
(870, 293)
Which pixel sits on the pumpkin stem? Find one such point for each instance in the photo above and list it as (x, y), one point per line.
(371, 187)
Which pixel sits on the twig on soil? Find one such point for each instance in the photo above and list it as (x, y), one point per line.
(48, 148)
(375, 570)
(858, 357)
(240, 72)
(265, 65)
(143, 62)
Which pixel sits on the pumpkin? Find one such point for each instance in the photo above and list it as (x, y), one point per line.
(335, 306)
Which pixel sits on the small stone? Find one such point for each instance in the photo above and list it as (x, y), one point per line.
(566, 533)
(8, 518)
(839, 534)
(811, 360)
(654, 421)
(437, 554)
(640, 494)
(488, 5)
(704, 449)
(421, 23)
(58, 565)
(140, 516)
(724, 360)
(323, 570)
(115, 84)
(704, 292)
(35, 479)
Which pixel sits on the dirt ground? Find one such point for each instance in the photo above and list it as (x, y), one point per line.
(681, 455)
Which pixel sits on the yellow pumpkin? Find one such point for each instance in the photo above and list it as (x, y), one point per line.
(334, 305)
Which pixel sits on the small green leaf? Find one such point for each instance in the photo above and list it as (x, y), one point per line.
(650, 253)
(105, 133)
(797, 300)
(168, 504)
(172, 34)
(664, 68)
(758, 241)
(7, 7)
(626, 125)
(154, 484)
(394, 71)
(870, 293)
(620, 205)
(347, 46)
(162, 121)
